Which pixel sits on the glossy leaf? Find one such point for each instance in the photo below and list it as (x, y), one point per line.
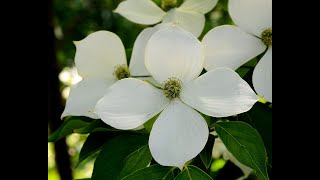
(136, 160)
(206, 153)
(93, 144)
(260, 117)
(95, 126)
(152, 172)
(68, 126)
(242, 71)
(192, 172)
(245, 144)
(112, 157)
(148, 125)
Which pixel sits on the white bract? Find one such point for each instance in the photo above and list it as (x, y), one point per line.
(231, 46)
(100, 60)
(175, 58)
(189, 15)
(137, 66)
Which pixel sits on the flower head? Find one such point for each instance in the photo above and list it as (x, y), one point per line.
(175, 58)
(122, 71)
(172, 87)
(101, 61)
(169, 4)
(266, 37)
(232, 46)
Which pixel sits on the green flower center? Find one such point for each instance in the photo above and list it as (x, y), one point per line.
(266, 37)
(169, 4)
(121, 71)
(172, 87)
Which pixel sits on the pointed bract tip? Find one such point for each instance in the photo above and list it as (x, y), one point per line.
(76, 42)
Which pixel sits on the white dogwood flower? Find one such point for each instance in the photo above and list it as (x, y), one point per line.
(175, 58)
(189, 15)
(101, 60)
(232, 46)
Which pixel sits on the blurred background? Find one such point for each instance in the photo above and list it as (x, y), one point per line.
(73, 20)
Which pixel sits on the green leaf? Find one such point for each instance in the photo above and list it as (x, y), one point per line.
(136, 160)
(84, 179)
(252, 63)
(93, 144)
(247, 67)
(95, 126)
(148, 125)
(207, 118)
(115, 154)
(260, 117)
(128, 54)
(151, 173)
(158, 2)
(242, 71)
(68, 126)
(245, 144)
(193, 173)
(206, 153)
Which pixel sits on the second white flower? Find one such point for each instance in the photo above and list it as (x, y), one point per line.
(175, 58)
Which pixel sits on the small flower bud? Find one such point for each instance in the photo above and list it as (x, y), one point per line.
(122, 71)
(172, 87)
(266, 37)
